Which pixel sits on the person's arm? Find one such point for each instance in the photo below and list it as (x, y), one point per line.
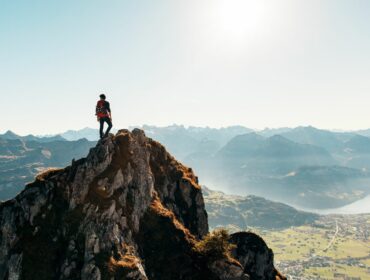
(96, 111)
(107, 106)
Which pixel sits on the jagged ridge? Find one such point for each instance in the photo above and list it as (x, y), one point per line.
(128, 210)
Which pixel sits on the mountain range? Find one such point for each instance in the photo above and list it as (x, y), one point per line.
(302, 166)
(9, 135)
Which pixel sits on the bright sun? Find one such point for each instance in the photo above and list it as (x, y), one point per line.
(236, 21)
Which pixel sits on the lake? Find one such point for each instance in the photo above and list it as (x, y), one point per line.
(359, 207)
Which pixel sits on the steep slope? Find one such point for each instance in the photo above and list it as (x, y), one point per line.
(358, 145)
(128, 210)
(355, 152)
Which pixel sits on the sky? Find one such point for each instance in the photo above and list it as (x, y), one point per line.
(193, 62)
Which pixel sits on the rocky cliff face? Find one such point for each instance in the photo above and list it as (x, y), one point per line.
(128, 210)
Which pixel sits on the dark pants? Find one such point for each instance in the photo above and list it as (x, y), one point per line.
(109, 123)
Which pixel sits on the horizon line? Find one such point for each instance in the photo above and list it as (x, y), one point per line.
(338, 130)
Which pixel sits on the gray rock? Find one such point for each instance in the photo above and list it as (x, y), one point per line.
(123, 212)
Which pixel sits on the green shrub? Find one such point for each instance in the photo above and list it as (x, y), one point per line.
(215, 245)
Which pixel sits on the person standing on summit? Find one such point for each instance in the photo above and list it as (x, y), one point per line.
(104, 114)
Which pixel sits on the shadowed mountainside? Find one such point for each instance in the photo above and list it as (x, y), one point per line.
(21, 160)
(240, 212)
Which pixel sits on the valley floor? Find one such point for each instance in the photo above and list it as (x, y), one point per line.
(334, 247)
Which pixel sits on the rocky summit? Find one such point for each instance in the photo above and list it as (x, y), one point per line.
(129, 210)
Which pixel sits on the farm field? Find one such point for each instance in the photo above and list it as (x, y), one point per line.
(333, 247)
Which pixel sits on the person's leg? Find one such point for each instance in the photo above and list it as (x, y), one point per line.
(101, 128)
(109, 122)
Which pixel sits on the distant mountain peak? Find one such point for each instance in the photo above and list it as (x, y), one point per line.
(249, 135)
(10, 134)
(280, 138)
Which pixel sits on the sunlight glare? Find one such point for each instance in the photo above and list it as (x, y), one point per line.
(237, 21)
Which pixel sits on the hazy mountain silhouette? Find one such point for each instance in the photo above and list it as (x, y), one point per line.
(356, 153)
(91, 134)
(358, 145)
(313, 136)
(21, 160)
(280, 169)
(183, 141)
(179, 140)
(323, 186)
(10, 135)
(241, 161)
(276, 155)
(268, 132)
(365, 132)
(254, 145)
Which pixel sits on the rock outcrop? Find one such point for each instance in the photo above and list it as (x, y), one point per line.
(128, 210)
(254, 255)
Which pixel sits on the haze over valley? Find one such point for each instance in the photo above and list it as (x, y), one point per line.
(305, 167)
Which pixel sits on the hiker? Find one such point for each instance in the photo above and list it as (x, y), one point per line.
(104, 114)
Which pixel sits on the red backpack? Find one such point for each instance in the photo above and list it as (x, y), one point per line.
(101, 110)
